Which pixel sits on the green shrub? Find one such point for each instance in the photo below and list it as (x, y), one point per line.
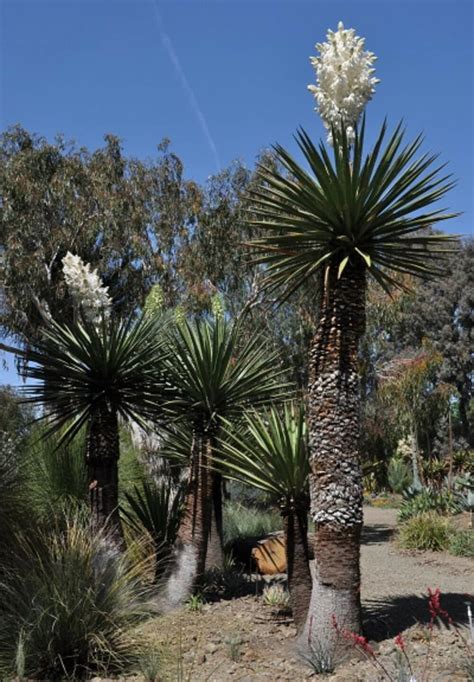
(427, 531)
(439, 501)
(246, 522)
(398, 475)
(54, 475)
(462, 543)
(66, 604)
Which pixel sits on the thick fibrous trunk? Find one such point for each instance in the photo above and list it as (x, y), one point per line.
(201, 525)
(102, 457)
(297, 563)
(336, 480)
(214, 553)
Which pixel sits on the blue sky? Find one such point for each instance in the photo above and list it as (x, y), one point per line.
(224, 79)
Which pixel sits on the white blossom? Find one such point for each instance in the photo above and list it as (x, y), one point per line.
(86, 288)
(344, 77)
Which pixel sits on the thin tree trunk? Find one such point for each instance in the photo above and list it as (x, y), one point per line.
(336, 478)
(189, 556)
(415, 460)
(464, 399)
(297, 565)
(103, 451)
(450, 448)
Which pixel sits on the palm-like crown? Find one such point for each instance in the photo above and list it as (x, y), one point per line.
(365, 212)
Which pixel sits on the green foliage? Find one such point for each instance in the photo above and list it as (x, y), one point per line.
(440, 501)
(462, 543)
(398, 475)
(132, 471)
(78, 367)
(15, 417)
(66, 605)
(128, 218)
(276, 596)
(213, 373)
(55, 473)
(269, 451)
(14, 508)
(364, 212)
(151, 666)
(425, 531)
(157, 509)
(246, 522)
(195, 603)
(234, 643)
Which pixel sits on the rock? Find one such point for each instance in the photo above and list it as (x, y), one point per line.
(270, 554)
(211, 648)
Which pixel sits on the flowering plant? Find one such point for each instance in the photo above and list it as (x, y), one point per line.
(345, 81)
(404, 670)
(86, 287)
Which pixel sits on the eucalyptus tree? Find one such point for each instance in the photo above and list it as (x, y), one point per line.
(213, 374)
(450, 331)
(408, 388)
(129, 218)
(339, 222)
(88, 374)
(270, 452)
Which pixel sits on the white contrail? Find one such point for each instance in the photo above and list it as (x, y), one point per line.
(168, 45)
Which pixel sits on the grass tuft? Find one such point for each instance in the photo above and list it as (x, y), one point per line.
(427, 531)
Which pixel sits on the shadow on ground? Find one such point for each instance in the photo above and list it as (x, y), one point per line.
(386, 618)
(374, 534)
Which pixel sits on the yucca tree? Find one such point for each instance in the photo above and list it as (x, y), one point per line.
(338, 222)
(213, 374)
(88, 375)
(270, 452)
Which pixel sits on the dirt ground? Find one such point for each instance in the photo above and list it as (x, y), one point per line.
(241, 639)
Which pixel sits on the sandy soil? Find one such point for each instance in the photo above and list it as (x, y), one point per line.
(241, 639)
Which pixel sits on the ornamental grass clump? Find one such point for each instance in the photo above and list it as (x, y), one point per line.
(67, 605)
(462, 543)
(427, 531)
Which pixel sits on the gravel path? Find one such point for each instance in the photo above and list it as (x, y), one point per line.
(395, 583)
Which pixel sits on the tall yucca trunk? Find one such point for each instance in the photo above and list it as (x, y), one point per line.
(297, 563)
(201, 524)
(215, 553)
(335, 479)
(103, 451)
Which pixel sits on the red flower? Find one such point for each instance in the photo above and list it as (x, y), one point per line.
(358, 641)
(434, 607)
(400, 642)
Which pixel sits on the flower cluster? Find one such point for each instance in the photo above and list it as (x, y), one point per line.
(352, 637)
(86, 287)
(345, 81)
(400, 642)
(435, 609)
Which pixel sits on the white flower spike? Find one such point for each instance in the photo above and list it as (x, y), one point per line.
(344, 80)
(86, 287)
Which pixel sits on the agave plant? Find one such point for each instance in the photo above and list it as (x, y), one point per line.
(88, 375)
(213, 374)
(338, 222)
(270, 452)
